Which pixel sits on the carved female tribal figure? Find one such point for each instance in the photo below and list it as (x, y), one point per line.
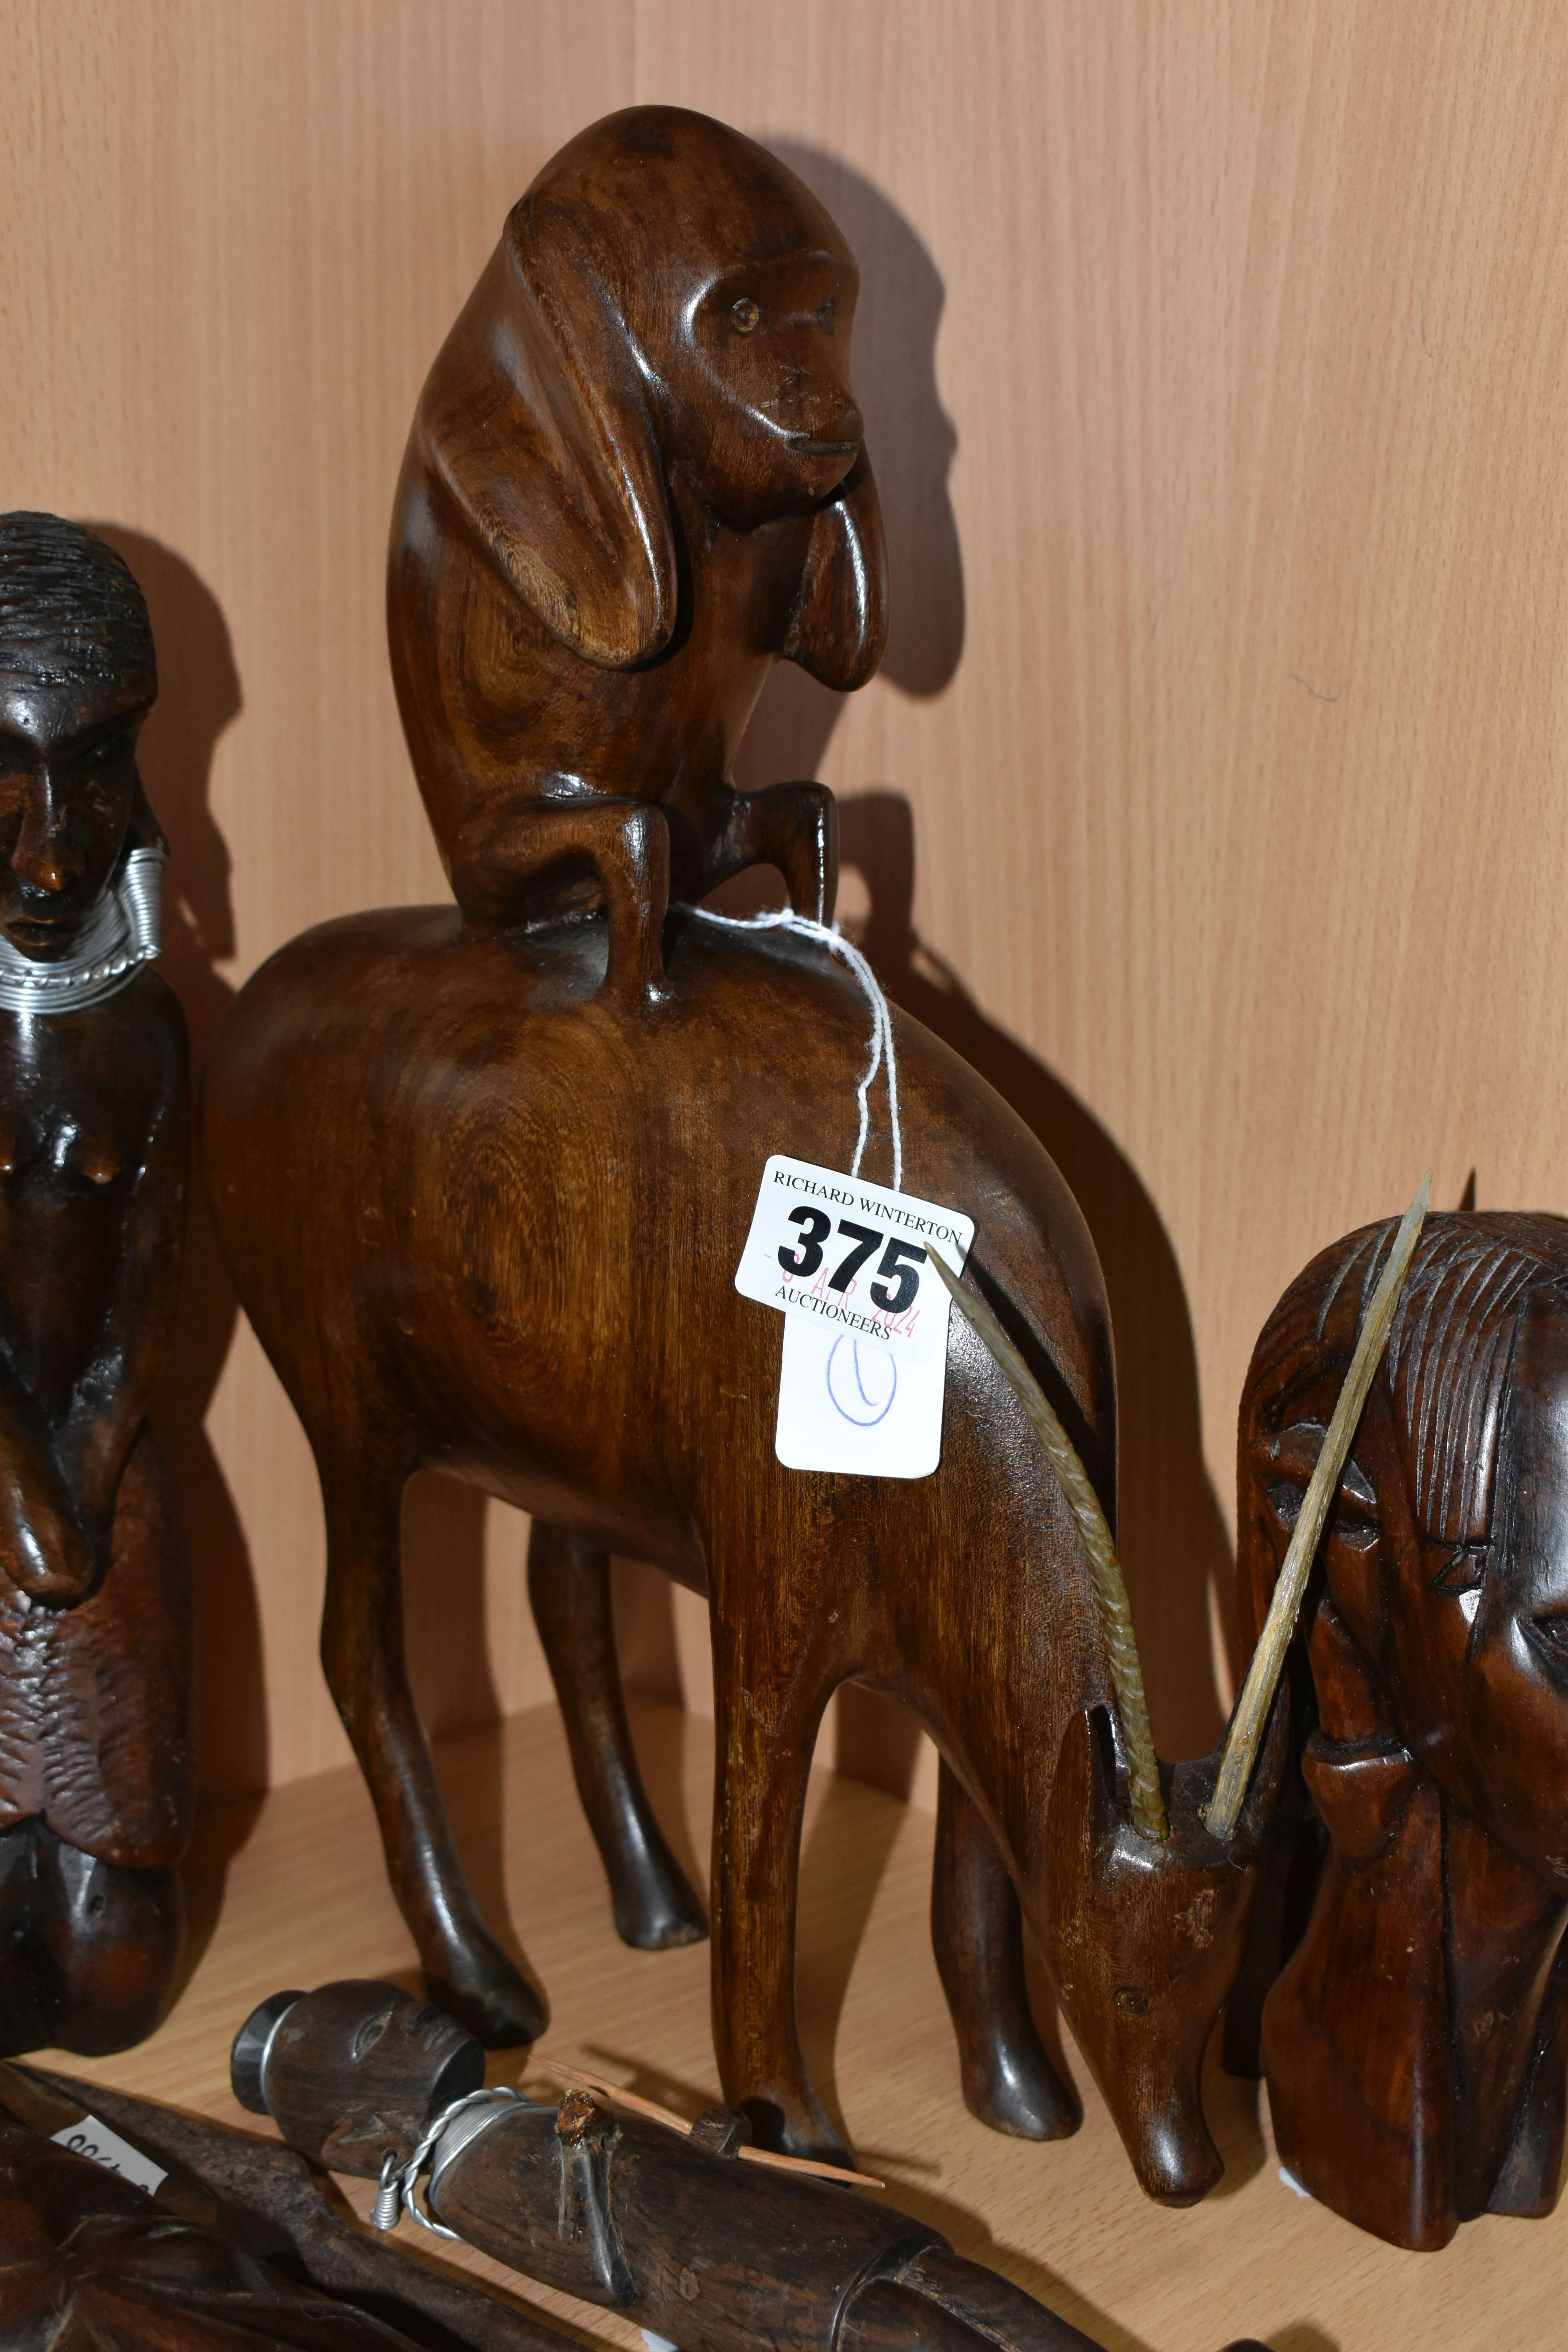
(95, 1772)
(1414, 2042)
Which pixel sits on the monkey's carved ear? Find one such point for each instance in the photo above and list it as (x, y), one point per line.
(536, 422)
(838, 629)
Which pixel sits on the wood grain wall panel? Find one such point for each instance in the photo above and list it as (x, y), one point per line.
(1211, 799)
(234, 239)
(1237, 830)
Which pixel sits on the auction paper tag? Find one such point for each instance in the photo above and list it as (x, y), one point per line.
(90, 2137)
(865, 1338)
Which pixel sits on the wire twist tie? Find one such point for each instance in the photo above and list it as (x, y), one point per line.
(396, 2194)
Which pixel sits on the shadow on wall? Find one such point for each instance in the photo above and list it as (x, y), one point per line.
(1172, 1529)
(198, 696)
(912, 441)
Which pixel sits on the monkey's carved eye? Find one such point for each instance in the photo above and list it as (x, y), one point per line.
(827, 315)
(744, 315)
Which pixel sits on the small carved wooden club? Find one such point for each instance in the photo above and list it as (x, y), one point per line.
(659, 2222)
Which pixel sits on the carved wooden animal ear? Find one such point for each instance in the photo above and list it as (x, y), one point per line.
(537, 423)
(838, 630)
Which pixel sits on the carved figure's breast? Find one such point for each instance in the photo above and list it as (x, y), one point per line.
(70, 1161)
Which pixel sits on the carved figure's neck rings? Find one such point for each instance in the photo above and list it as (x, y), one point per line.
(123, 931)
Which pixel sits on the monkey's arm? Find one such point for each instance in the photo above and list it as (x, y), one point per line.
(792, 826)
(508, 847)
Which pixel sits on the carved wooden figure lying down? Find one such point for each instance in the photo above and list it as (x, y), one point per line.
(635, 478)
(1414, 2043)
(95, 1767)
(486, 1217)
(183, 2237)
(656, 2220)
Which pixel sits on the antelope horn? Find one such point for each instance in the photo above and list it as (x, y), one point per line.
(1109, 1591)
(1224, 1807)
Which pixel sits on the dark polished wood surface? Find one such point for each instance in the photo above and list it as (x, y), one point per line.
(239, 2246)
(304, 1897)
(486, 1215)
(636, 479)
(675, 2226)
(95, 1610)
(1413, 2040)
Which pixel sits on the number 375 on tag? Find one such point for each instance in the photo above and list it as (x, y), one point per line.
(851, 1258)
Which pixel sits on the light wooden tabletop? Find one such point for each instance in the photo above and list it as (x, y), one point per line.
(290, 1891)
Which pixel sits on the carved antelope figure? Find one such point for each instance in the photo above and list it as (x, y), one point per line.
(486, 1215)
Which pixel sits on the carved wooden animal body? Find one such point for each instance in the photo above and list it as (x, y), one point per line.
(1415, 2043)
(636, 479)
(485, 1217)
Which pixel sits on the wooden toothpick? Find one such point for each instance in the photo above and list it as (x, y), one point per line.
(568, 2071)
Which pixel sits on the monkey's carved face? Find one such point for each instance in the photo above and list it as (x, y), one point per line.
(759, 404)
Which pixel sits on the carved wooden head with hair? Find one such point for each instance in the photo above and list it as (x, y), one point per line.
(1411, 2043)
(77, 676)
(635, 477)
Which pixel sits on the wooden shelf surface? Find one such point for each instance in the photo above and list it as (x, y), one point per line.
(289, 1890)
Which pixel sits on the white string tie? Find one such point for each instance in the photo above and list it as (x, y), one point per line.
(785, 918)
(399, 2182)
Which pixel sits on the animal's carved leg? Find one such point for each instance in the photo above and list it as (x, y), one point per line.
(792, 826)
(764, 1735)
(503, 861)
(367, 1674)
(977, 1929)
(569, 1585)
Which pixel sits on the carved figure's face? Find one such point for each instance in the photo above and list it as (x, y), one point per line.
(1465, 1645)
(358, 2067)
(757, 384)
(68, 781)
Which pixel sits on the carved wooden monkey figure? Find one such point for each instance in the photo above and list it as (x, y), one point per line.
(635, 478)
(95, 1767)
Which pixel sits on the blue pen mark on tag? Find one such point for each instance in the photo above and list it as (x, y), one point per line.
(863, 1383)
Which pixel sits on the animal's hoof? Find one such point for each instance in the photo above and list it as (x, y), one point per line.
(1020, 2093)
(492, 2000)
(661, 1915)
(805, 2131)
